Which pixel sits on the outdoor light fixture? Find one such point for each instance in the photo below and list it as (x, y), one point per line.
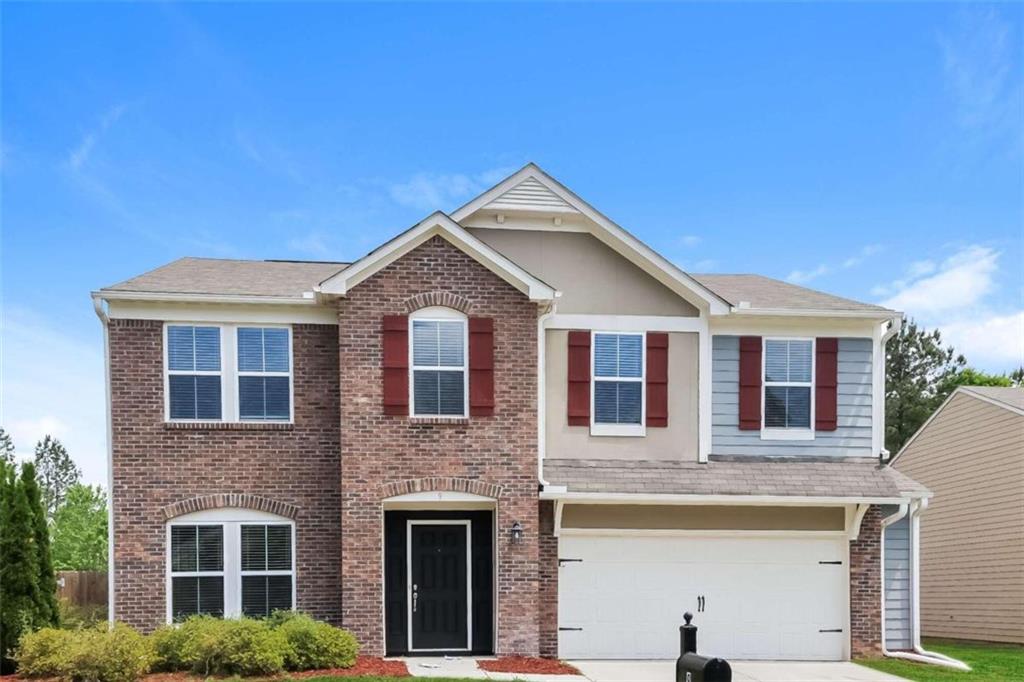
(517, 533)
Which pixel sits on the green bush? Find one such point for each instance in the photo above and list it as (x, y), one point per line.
(210, 646)
(77, 617)
(313, 644)
(99, 654)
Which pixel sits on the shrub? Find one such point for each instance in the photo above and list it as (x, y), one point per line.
(313, 644)
(211, 646)
(79, 616)
(99, 654)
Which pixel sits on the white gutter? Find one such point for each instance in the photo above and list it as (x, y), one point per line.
(117, 295)
(97, 304)
(919, 654)
(558, 493)
(809, 312)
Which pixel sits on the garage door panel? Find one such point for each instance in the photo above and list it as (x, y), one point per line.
(766, 598)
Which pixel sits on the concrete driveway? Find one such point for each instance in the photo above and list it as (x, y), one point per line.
(742, 671)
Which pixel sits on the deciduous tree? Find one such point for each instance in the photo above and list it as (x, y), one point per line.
(80, 530)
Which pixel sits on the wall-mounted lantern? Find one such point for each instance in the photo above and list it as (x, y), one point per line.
(517, 533)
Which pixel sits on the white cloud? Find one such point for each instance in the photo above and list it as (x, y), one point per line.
(53, 384)
(990, 341)
(978, 60)
(81, 152)
(313, 244)
(432, 191)
(804, 276)
(962, 280)
(689, 240)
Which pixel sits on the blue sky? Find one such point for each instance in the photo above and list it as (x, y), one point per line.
(870, 150)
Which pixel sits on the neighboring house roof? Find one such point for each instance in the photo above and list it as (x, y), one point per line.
(851, 477)
(1008, 398)
(437, 224)
(216, 276)
(756, 293)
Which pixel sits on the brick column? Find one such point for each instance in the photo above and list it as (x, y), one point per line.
(866, 587)
(548, 573)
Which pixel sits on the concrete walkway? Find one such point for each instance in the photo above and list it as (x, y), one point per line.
(742, 671)
(656, 671)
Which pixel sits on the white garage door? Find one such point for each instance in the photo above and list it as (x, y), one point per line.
(763, 598)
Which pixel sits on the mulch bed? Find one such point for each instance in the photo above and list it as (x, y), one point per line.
(524, 665)
(365, 665)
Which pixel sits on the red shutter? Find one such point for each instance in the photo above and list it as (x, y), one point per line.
(578, 397)
(481, 366)
(750, 383)
(657, 379)
(395, 331)
(826, 381)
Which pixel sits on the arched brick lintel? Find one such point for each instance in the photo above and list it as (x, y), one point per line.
(234, 500)
(437, 298)
(440, 484)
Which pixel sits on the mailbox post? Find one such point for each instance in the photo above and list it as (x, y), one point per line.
(692, 667)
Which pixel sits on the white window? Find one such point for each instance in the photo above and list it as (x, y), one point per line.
(440, 382)
(618, 384)
(229, 563)
(228, 372)
(788, 388)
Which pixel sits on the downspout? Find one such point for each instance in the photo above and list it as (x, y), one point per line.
(549, 310)
(97, 304)
(919, 654)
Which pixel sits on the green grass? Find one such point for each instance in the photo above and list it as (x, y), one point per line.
(989, 662)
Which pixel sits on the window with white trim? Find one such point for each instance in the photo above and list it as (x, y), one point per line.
(438, 352)
(194, 372)
(230, 563)
(788, 384)
(228, 372)
(264, 373)
(618, 381)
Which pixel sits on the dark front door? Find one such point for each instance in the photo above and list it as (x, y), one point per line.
(440, 599)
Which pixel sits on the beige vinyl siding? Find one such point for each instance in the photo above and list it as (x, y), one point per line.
(971, 456)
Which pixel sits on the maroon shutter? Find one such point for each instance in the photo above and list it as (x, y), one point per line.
(657, 379)
(395, 331)
(826, 382)
(578, 398)
(481, 366)
(750, 383)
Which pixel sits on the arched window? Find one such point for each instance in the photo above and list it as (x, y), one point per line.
(229, 563)
(439, 385)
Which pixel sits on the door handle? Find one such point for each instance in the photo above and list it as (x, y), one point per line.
(414, 598)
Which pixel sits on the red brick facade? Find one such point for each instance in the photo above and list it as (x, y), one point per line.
(548, 582)
(866, 587)
(379, 450)
(163, 470)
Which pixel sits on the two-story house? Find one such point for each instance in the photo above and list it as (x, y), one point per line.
(512, 429)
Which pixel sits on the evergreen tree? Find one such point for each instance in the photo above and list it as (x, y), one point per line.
(1017, 377)
(19, 570)
(918, 374)
(47, 613)
(57, 472)
(6, 447)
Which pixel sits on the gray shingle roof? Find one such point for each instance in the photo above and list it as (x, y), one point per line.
(766, 293)
(1011, 397)
(231, 277)
(844, 477)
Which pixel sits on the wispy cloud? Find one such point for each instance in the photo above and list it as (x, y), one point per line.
(311, 244)
(267, 154)
(439, 191)
(80, 153)
(822, 269)
(955, 296)
(979, 52)
(689, 240)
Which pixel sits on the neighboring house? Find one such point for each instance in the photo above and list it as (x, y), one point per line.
(512, 429)
(971, 454)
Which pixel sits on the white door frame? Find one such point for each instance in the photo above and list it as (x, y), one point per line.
(468, 523)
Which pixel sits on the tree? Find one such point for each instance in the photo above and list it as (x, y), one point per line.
(918, 370)
(19, 570)
(57, 472)
(969, 376)
(80, 530)
(6, 447)
(1017, 377)
(47, 613)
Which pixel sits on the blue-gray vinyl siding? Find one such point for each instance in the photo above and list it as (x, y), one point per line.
(897, 583)
(852, 436)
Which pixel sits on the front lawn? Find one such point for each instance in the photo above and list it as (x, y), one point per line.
(989, 662)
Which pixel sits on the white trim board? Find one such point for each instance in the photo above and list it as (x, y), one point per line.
(728, 500)
(625, 323)
(165, 311)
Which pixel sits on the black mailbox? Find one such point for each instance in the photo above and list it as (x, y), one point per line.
(694, 668)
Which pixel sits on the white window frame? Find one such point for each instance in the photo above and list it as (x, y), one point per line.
(229, 399)
(438, 314)
(787, 433)
(168, 372)
(628, 430)
(231, 520)
(171, 574)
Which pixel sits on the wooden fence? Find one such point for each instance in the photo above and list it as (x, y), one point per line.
(83, 588)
